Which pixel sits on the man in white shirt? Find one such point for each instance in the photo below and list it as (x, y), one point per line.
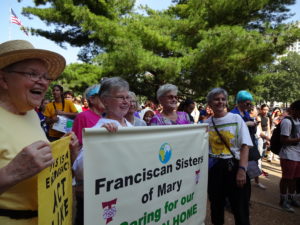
(290, 157)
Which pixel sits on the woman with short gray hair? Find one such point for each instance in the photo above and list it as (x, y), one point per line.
(116, 100)
(167, 97)
(216, 91)
(132, 109)
(114, 96)
(229, 142)
(162, 90)
(109, 85)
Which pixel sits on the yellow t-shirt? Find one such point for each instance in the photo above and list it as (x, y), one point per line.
(17, 132)
(50, 112)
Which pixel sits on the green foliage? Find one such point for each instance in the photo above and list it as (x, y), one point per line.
(196, 45)
(79, 76)
(79, 23)
(280, 82)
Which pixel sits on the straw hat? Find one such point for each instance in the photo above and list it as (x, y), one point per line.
(19, 50)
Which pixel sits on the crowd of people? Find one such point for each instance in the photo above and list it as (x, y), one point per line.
(238, 139)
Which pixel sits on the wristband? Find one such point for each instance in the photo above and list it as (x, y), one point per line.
(243, 168)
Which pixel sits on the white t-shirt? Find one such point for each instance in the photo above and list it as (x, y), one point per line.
(291, 152)
(105, 120)
(234, 131)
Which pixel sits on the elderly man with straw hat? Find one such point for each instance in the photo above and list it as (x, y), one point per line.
(25, 74)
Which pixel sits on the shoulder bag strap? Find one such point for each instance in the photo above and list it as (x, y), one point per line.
(293, 126)
(221, 137)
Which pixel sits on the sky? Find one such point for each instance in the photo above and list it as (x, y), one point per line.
(11, 31)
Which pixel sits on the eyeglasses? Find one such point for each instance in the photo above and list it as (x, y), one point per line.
(171, 97)
(122, 98)
(34, 76)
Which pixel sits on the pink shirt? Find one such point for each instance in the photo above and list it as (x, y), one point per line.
(85, 119)
(159, 119)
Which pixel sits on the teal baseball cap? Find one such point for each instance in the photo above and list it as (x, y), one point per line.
(243, 96)
(93, 90)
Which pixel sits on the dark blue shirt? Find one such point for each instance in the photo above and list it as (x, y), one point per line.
(246, 116)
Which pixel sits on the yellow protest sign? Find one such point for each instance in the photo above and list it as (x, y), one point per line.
(55, 187)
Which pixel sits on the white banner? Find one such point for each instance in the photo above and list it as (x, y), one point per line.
(146, 175)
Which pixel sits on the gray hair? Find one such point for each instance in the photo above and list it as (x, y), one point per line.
(114, 83)
(216, 91)
(133, 95)
(165, 89)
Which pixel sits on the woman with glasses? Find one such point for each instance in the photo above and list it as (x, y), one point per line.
(132, 109)
(114, 94)
(167, 97)
(25, 75)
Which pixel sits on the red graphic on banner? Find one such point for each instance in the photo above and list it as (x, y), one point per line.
(109, 210)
